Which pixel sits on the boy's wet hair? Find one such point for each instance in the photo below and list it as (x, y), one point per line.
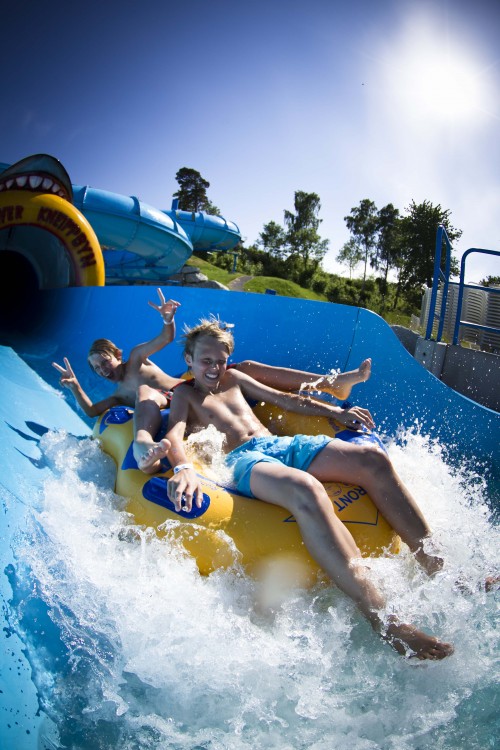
(105, 347)
(212, 327)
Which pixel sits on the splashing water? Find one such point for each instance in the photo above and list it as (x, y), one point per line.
(132, 649)
(313, 386)
(207, 448)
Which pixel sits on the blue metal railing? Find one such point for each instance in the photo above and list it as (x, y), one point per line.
(490, 290)
(439, 275)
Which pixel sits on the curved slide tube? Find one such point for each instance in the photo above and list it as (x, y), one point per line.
(140, 242)
(143, 243)
(127, 224)
(207, 232)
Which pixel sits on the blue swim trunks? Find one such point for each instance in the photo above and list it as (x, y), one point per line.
(297, 452)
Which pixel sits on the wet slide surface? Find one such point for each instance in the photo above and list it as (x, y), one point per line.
(28, 409)
(73, 590)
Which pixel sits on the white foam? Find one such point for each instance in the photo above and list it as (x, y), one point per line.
(172, 659)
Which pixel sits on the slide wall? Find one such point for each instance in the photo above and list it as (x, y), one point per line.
(282, 331)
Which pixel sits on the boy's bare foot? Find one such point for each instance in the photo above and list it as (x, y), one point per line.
(342, 384)
(365, 370)
(432, 564)
(149, 460)
(408, 641)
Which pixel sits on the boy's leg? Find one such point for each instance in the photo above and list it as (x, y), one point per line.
(371, 468)
(286, 379)
(147, 422)
(342, 385)
(332, 546)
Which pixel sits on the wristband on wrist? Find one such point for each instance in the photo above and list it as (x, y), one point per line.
(167, 322)
(180, 467)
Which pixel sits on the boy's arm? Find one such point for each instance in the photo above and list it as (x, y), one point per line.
(167, 310)
(69, 380)
(184, 485)
(355, 416)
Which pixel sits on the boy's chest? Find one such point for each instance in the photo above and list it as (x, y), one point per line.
(223, 405)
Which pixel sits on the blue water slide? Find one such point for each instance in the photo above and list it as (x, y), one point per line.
(143, 243)
(206, 232)
(28, 408)
(152, 244)
(400, 394)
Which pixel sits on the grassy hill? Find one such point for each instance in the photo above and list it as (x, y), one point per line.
(285, 288)
(282, 287)
(258, 284)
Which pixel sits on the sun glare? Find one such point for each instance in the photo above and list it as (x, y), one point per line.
(442, 85)
(431, 79)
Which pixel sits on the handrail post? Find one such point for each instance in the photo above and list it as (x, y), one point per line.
(435, 283)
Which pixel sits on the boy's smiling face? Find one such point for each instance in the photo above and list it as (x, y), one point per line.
(208, 362)
(106, 365)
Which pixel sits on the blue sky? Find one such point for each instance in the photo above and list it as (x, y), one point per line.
(392, 100)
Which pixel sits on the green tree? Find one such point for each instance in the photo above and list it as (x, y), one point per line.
(350, 255)
(418, 246)
(272, 239)
(362, 223)
(490, 281)
(387, 248)
(192, 193)
(306, 249)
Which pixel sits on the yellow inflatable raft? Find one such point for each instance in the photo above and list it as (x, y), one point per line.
(260, 532)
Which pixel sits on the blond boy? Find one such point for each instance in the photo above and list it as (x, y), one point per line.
(290, 471)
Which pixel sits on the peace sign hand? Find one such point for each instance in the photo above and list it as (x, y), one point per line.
(166, 309)
(68, 378)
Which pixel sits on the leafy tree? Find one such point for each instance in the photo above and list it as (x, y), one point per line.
(350, 255)
(305, 246)
(418, 245)
(192, 193)
(387, 246)
(362, 223)
(272, 239)
(490, 281)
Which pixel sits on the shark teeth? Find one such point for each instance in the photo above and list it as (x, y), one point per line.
(34, 182)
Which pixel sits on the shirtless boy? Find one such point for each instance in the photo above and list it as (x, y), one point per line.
(139, 383)
(143, 385)
(289, 472)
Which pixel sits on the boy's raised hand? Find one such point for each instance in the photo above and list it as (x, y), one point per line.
(166, 309)
(68, 378)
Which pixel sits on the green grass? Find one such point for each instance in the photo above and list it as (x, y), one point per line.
(258, 284)
(282, 287)
(214, 273)
(395, 318)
